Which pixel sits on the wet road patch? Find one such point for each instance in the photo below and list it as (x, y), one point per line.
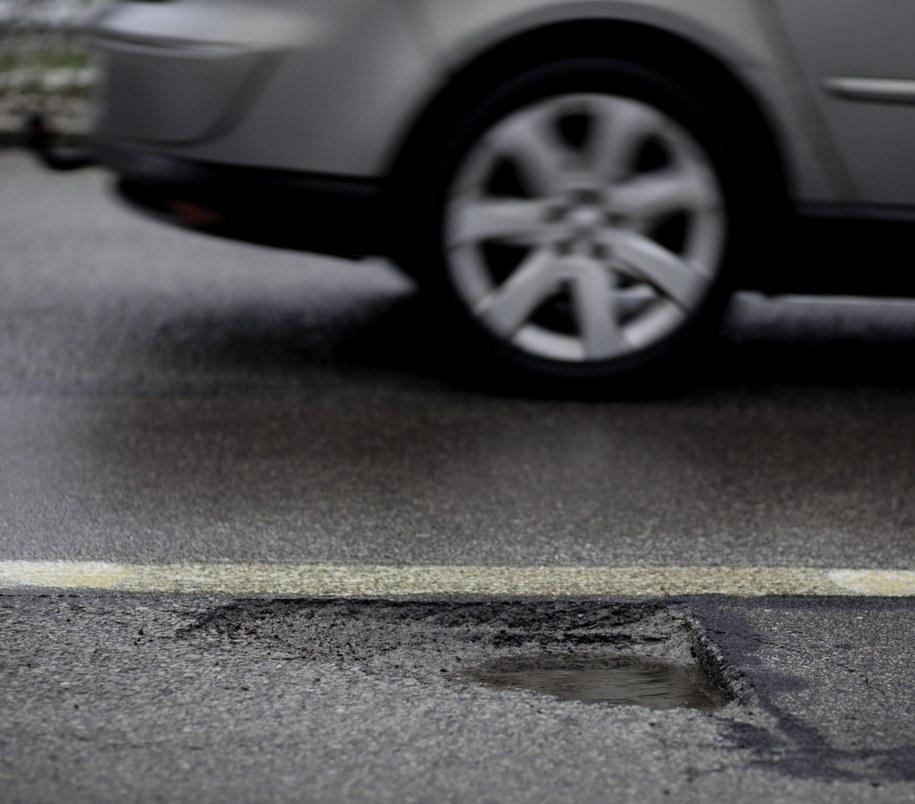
(614, 680)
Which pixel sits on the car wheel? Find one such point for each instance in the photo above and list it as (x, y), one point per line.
(579, 221)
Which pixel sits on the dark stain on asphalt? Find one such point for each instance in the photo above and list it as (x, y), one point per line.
(793, 744)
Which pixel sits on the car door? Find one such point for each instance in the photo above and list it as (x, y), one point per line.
(857, 58)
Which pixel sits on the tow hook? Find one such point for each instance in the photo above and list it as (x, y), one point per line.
(40, 139)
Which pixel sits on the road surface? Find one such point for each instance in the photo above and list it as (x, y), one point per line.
(260, 520)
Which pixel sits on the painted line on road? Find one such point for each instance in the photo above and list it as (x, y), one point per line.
(338, 580)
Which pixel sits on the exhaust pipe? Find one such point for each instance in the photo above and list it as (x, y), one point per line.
(40, 139)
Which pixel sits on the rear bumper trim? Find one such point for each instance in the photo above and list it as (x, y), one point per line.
(307, 212)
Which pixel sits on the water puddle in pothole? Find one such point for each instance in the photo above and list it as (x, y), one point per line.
(619, 681)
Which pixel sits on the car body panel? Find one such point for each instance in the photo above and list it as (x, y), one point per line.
(334, 86)
(860, 72)
(741, 34)
(199, 87)
(342, 77)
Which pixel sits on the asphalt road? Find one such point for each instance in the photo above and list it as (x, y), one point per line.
(168, 398)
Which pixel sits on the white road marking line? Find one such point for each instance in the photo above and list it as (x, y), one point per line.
(334, 580)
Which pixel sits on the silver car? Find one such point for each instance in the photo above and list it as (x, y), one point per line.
(579, 184)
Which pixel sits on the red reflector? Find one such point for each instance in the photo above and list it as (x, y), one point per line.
(194, 213)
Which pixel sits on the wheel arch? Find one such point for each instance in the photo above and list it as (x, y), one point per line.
(701, 72)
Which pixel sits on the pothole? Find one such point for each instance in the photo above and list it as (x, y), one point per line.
(645, 654)
(613, 680)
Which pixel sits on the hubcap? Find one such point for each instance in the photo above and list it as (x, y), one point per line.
(584, 227)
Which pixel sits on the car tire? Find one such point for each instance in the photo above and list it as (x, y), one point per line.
(581, 221)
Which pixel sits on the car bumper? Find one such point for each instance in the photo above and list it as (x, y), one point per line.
(306, 212)
(325, 86)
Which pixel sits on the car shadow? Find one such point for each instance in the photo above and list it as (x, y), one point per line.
(356, 426)
(785, 350)
(811, 350)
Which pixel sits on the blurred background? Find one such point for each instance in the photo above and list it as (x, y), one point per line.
(45, 65)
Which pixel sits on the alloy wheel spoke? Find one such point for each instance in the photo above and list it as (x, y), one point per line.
(479, 220)
(650, 262)
(530, 142)
(619, 126)
(592, 292)
(509, 306)
(663, 192)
